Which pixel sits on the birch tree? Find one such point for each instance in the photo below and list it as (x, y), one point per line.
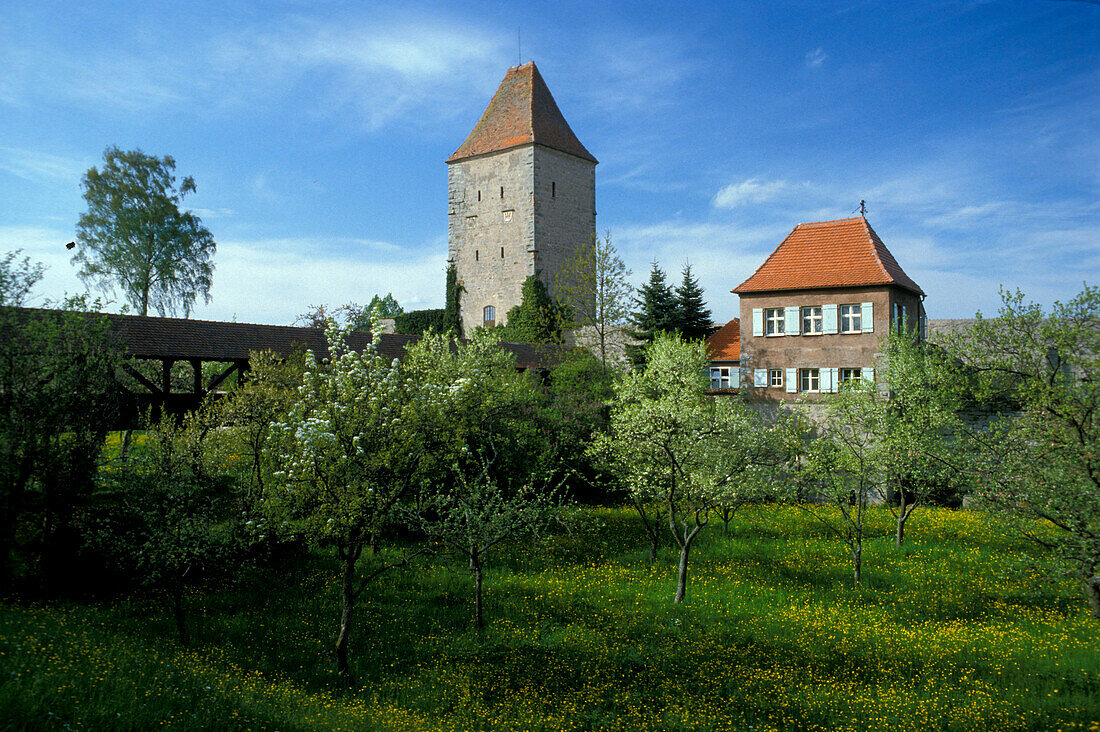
(134, 235)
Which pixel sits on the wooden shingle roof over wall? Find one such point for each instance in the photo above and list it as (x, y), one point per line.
(180, 339)
(842, 253)
(522, 111)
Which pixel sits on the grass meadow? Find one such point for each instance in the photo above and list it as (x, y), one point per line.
(950, 632)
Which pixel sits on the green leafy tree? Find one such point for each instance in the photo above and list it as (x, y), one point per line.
(1039, 464)
(655, 312)
(247, 415)
(134, 235)
(537, 319)
(477, 515)
(846, 465)
(692, 317)
(920, 436)
(352, 448)
(595, 285)
(18, 278)
(58, 399)
(167, 517)
(678, 449)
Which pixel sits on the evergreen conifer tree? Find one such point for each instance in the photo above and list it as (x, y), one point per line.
(693, 319)
(657, 309)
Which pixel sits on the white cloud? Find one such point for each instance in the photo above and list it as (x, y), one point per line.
(38, 167)
(274, 281)
(44, 245)
(385, 69)
(816, 57)
(270, 280)
(751, 190)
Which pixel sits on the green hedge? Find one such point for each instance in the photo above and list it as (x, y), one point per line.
(417, 322)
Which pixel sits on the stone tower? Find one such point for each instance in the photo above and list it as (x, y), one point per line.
(521, 198)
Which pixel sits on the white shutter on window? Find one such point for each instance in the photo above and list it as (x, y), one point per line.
(792, 381)
(760, 377)
(867, 317)
(828, 318)
(791, 321)
(868, 374)
(828, 380)
(758, 321)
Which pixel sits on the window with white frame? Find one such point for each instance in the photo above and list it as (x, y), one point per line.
(490, 315)
(851, 318)
(773, 321)
(775, 378)
(811, 319)
(809, 380)
(847, 375)
(720, 377)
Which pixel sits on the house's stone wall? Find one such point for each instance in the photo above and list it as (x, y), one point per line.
(497, 239)
(840, 350)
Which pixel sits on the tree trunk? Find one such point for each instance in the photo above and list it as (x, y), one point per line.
(903, 514)
(857, 558)
(479, 612)
(347, 606)
(1091, 586)
(654, 544)
(176, 596)
(682, 573)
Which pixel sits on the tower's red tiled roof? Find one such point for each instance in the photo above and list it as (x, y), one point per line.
(725, 343)
(521, 112)
(842, 253)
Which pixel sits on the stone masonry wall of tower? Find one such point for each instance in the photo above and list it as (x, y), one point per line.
(482, 223)
(548, 210)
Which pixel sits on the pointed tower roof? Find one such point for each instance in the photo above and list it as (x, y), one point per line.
(523, 111)
(842, 253)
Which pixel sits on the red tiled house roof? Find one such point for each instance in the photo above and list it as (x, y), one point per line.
(523, 111)
(842, 253)
(725, 343)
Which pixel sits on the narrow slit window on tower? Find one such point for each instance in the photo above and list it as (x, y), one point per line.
(553, 189)
(502, 252)
(477, 256)
(479, 195)
(502, 191)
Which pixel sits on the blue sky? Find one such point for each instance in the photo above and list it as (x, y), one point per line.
(316, 133)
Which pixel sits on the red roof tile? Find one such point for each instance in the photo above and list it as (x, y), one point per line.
(842, 253)
(521, 112)
(725, 343)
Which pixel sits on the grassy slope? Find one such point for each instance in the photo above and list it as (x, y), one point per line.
(582, 636)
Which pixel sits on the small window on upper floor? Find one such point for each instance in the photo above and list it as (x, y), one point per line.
(773, 321)
(811, 319)
(553, 189)
(851, 319)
